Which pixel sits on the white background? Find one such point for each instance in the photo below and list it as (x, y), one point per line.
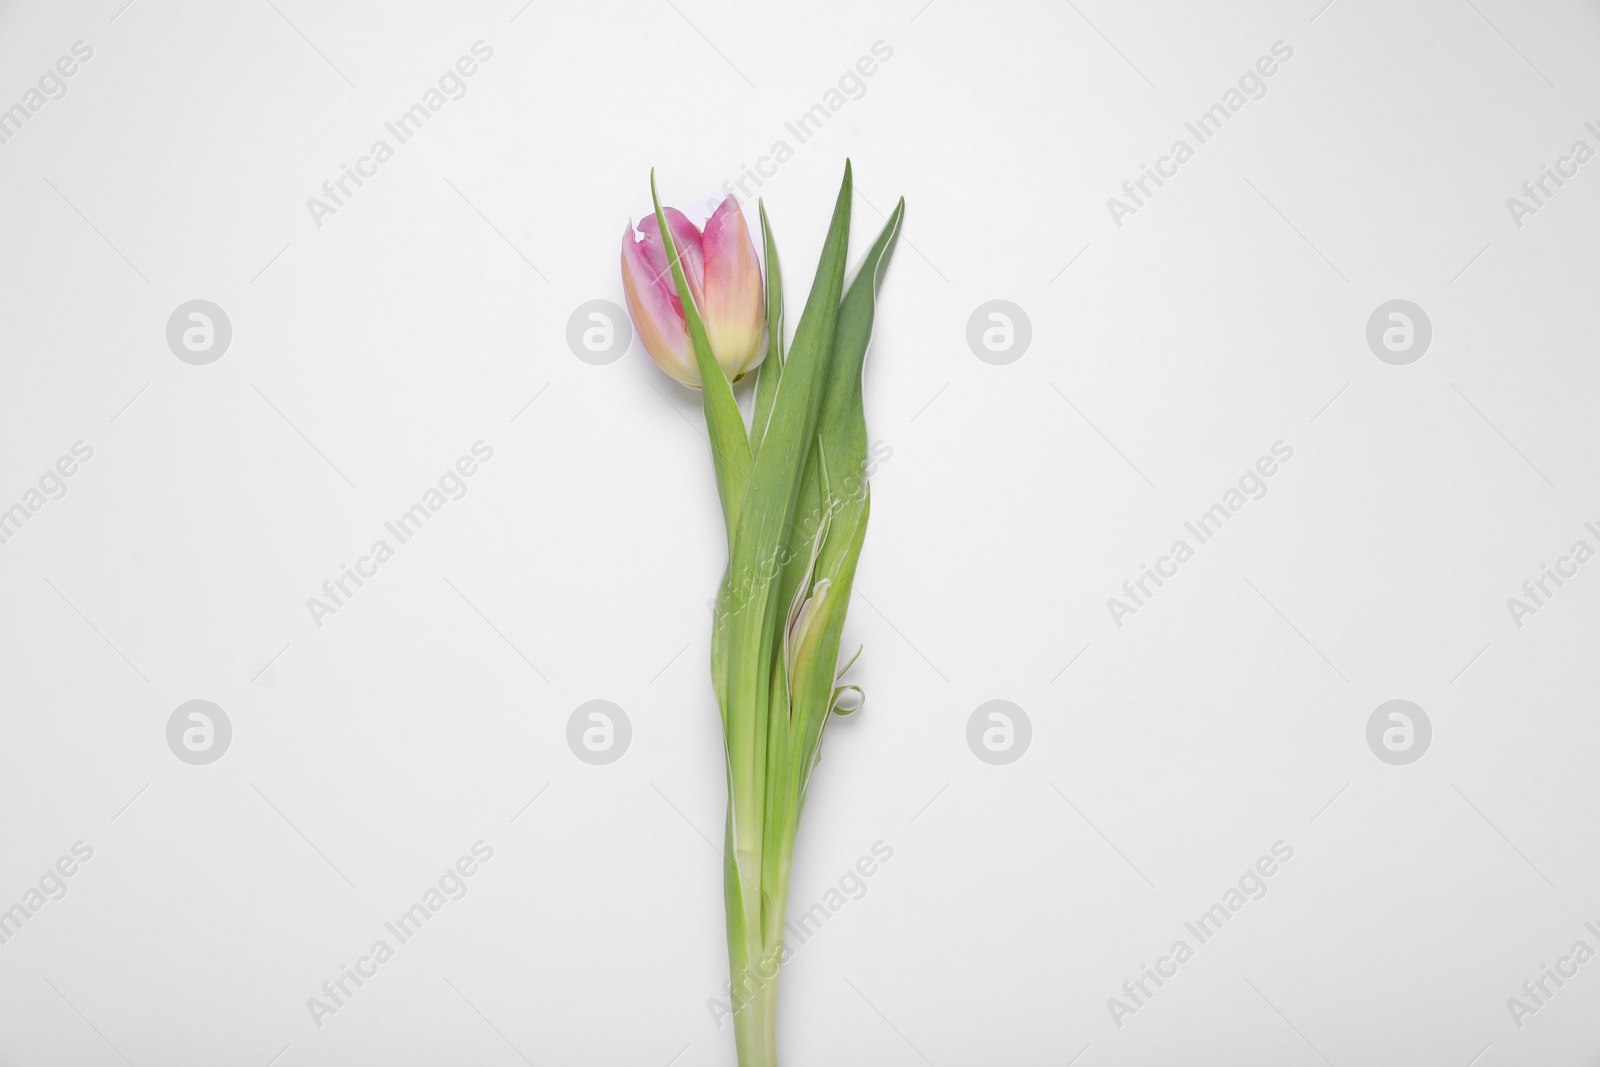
(1228, 714)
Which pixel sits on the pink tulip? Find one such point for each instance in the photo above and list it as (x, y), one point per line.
(724, 278)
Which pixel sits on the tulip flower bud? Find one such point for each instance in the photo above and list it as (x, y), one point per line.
(805, 629)
(724, 279)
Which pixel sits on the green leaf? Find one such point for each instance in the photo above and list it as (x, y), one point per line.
(781, 608)
(751, 627)
(842, 425)
(812, 692)
(730, 448)
(839, 496)
(842, 431)
(771, 369)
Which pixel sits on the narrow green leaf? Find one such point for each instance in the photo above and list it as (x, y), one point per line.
(812, 688)
(841, 502)
(842, 424)
(730, 447)
(753, 622)
(771, 369)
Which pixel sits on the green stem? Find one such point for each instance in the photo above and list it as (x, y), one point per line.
(752, 970)
(755, 1028)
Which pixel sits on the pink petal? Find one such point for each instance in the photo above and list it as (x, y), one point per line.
(687, 240)
(733, 304)
(656, 314)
